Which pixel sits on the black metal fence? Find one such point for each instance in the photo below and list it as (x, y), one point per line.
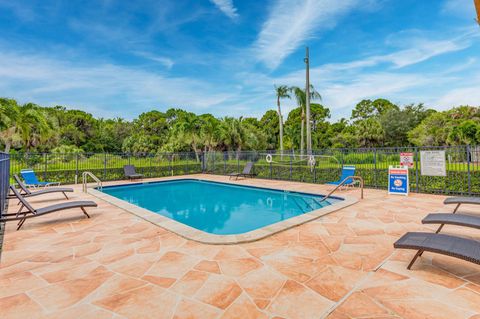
(462, 166)
(67, 168)
(4, 181)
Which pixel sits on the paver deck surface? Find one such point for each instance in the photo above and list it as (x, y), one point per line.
(343, 265)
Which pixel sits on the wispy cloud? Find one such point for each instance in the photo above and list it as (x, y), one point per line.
(292, 22)
(165, 61)
(342, 85)
(227, 7)
(461, 8)
(466, 96)
(50, 81)
(412, 51)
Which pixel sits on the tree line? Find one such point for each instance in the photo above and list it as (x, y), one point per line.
(373, 123)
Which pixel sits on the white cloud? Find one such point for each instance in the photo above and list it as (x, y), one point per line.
(292, 22)
(165, 61)
(423, 51)
(103, 89)
(342, 85)
(413, 51)
(460, 96)
(461, 8)
(227, 7)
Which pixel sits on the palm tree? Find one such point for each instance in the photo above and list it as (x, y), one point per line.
(27, 123)
(188, 126)
(209, 132)
(301, 98)
(9, 111)
(282, 92)
(233, 133)
(32, 125)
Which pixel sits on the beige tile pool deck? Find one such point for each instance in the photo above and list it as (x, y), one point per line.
(342, 265)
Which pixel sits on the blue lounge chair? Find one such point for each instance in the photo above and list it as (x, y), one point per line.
(347, 171)
(31, 179)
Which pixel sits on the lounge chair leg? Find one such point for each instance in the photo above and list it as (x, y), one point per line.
(456, 208)
(418, 254)
(65, 195)
(439, 228)
(21, 207)
(20, 224)
(85, 212)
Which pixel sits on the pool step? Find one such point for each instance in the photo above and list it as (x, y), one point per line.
(308, 206)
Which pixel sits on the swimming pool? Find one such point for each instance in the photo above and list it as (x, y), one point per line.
(218, 208)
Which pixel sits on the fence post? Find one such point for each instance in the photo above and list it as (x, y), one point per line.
(469, 176)
(375, 167)
(76, 168)
(104, 165)
(150, 165)
(271, 173)
(45, 159)
(225, 155)
(416, 170)
(291, 168)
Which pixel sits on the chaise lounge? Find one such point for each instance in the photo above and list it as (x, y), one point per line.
(130, 172)
(49, 190)
(453, 246)
(461, 200)
(31, 212)
(347, 173)
(31, 179)
(452, 219)
(247, 172)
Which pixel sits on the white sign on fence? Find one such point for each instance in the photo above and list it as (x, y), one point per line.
(406, 159)
(432, 163)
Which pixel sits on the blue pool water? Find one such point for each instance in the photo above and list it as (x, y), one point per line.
(218, 208)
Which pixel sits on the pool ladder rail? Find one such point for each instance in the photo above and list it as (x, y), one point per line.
(85, 176)
(355, 178)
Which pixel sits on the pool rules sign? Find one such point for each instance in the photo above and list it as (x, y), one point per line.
(398, 180)
(406, 159)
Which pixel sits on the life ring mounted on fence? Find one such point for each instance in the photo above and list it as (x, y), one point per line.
(268, 158)
(311, 160)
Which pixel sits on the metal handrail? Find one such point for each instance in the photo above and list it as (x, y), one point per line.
(359, 178)
(95, 178)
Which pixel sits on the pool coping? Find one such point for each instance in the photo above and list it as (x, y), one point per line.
(197, 235)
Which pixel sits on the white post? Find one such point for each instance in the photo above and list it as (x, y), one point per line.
(307, 104)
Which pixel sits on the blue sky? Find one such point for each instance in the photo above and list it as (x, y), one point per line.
(122, 58)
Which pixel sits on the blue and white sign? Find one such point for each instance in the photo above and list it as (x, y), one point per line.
(398, 180)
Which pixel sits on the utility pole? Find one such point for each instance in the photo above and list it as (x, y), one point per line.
(307, 103)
